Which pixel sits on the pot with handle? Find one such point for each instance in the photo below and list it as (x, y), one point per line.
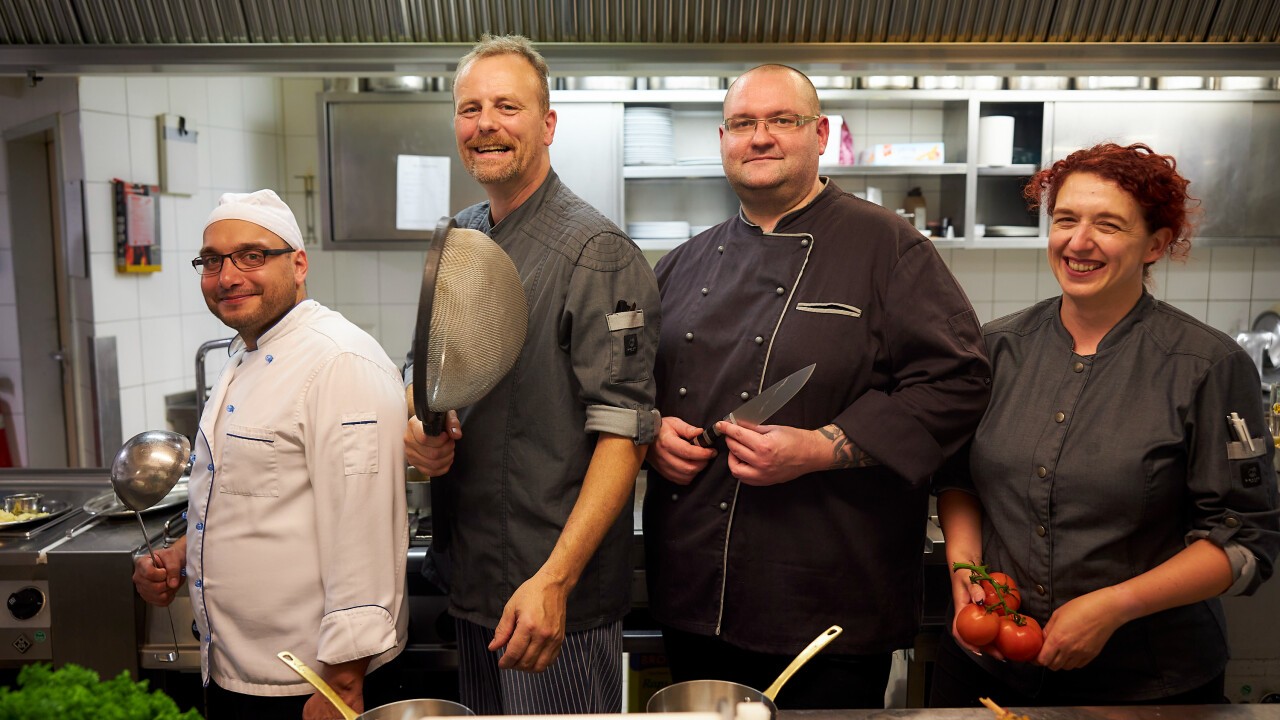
(723, 696)
(402, 710)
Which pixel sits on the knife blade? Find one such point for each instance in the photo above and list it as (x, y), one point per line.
(761, 407)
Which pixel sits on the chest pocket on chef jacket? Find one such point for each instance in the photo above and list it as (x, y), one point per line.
(360, 443)
(248, 464)
(626, 354)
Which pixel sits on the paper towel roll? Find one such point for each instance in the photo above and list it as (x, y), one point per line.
(995, 140)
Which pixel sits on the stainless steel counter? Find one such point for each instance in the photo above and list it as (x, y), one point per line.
(1162, 712)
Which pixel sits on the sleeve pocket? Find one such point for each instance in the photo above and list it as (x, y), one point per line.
(626, 361)
(360, 443)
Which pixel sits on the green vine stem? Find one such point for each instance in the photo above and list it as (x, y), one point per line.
(978, 573)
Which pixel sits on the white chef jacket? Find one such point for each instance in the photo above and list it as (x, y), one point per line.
(297, 533)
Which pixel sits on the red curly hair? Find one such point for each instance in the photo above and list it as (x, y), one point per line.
(1152, 180)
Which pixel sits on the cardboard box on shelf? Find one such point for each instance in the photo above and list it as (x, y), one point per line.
(926, 153)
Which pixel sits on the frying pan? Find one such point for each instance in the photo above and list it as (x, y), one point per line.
(723, 696)
(403, 710)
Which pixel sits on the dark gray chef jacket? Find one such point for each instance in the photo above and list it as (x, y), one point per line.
(586, 368)
(900, 368)
(1094, 469)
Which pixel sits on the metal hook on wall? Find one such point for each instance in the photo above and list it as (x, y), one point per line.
(309, 192)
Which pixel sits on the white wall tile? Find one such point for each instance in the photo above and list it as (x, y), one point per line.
(1266, 272)
(320, 275)
(400, 276)
(398, 322)
(1229, 316)
(366, 316)
(133, 411)
(297, 202)
(1198, 309)
(128, 335)
(144, 152)
(191, 302)
(1046, 282)
(190, 216)
(106, 142)
(1259, 306)
(261, 104)
(1015, 275)
(1231, 273)
(204, 155)
(162, 356)
(148, 96)
(975, 269)
(985, 311)
(302, 157)
(9, 333)
(189, 97)
(1157, 282)
(169, 223)
(226, 102)
(1001, 308)
(359, 274)
(154, 394)
(262, 161)
(891, 122)
(115, 295)
(926, 124)
(158, 290)
(299, 105)
(227, 160)
(104, 94)
(1188, 279)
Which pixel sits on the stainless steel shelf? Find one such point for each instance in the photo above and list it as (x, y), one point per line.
(1007, 170)
(667, 172)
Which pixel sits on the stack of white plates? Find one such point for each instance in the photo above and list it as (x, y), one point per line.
(699, 160)
(647, 138)
(658, 235)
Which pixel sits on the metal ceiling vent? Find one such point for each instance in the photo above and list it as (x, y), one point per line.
(698, 22)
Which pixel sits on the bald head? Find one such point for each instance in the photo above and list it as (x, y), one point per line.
(803, 94)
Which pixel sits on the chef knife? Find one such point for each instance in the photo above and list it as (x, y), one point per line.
(763, 406)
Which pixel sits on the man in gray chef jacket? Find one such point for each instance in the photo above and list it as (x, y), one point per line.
(539, 489)
(756, 545)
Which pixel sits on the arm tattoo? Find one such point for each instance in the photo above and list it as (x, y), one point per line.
(844, 453)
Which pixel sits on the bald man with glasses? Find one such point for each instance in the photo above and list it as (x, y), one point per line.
(759, 543)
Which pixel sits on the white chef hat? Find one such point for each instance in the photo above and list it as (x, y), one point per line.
(263, 208)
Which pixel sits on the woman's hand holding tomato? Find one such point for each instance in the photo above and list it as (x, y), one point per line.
(987, 621)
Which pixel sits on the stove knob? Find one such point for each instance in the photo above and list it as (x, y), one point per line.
(26, 603)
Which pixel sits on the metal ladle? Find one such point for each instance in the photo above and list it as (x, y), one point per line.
(147, 467)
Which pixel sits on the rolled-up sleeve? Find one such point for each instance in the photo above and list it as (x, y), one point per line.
(354, 430)
(1233, 486)
(610, 328)
(942, 380)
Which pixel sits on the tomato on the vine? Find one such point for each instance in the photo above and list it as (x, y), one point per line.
(1012, 595)
(977, 626)
(1019, 643)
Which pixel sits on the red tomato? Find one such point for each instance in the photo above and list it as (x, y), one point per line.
(977, 626)
(1012, 595)
(1019, 643)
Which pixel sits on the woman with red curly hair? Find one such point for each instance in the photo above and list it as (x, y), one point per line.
(1105, 477)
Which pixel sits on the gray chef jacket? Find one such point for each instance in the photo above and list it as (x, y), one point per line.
(586, 368)
(1095, 469)
(900, 368)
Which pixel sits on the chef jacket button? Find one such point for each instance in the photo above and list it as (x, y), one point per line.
(1231, 522)
(720, 249)
(704, 291)
(183, 572)
(270, 358)
(724, 505)
(759, 340)
(1042, 471)
(200, 526)
(199, 583)
(210, 468)
(1041, 531)
(184, 514)
(193, 457)
(683, 391)
(688, 336)
(231, 408)
(1040, 589)
(1059, 416)
(744, 395)
(1078, 367)
(675, 497)
(781, 290)
(804, 242)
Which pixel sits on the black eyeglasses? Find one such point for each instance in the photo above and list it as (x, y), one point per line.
(250, 259)
(779, 124)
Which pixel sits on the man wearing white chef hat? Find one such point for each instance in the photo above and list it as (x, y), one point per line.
(297, 530)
